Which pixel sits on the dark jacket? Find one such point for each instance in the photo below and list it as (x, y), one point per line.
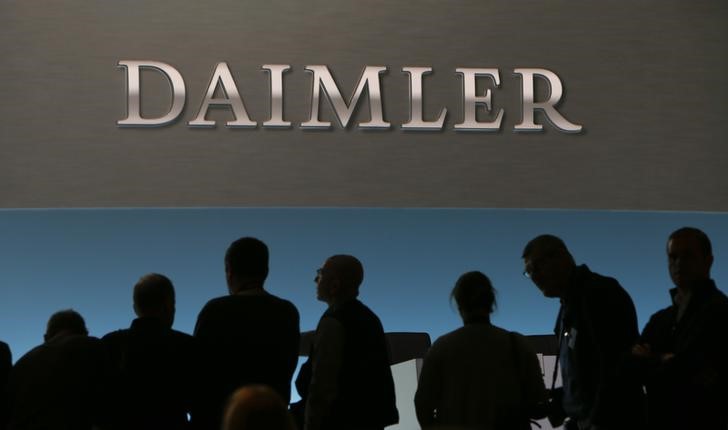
(691, 389)
(365, 396)
(154, 378)
(58, 385)
(246, 339)
(597, 328)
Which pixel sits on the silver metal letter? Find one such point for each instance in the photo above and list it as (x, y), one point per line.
(133, 89)
(547, 107)
(416, 121)
(222, 76)
(276, 95)
(343, 110)
(471, 101)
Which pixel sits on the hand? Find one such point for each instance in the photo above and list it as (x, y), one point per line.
(642, 350)
(664, 358)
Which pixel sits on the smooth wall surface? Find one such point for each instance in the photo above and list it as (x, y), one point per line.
(646, 81)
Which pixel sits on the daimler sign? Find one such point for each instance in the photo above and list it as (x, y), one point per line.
(369, 83)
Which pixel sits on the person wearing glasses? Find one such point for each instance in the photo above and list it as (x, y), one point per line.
(347, 382)
(596, 328)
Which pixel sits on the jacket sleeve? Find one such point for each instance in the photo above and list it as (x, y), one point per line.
(611, 320)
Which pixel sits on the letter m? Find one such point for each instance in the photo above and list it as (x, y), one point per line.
(369, 79)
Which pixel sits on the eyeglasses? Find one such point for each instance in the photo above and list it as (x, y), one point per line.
(535, 266)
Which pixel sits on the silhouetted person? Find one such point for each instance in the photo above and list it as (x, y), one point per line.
(57, 385)
(257, 407)
(683, 347)
(479, 376)
(155, 369)
(346, 382)
(596, 327)
(6, 362)
(249, 336)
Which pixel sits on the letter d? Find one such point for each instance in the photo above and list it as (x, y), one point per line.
(134, 117)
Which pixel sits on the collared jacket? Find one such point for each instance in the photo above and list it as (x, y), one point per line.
(597, 327)
(690, 390)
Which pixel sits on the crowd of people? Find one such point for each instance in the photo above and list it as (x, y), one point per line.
(235, 371)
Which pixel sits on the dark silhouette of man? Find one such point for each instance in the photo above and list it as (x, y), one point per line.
(58, 385)
(154, 369)
(596, 327)
(249, 336)
(6, 363)
(683, 348)
(346, 382)
(479, 376)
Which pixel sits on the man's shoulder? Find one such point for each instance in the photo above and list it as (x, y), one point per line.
(715, 307)
(244, 301)
(181, 336)
(666, 312)
(217, 302)
(115, 336)
(282, 303)
(597, 279)
(353, 310)
(719, 298)
(598, 287)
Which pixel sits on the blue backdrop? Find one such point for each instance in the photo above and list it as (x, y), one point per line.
(89, 260)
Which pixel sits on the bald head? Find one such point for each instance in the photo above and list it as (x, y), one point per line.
(348, 269)
(339, 278)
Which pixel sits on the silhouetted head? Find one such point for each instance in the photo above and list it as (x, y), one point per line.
(65, 322)
(549, 264)
(256, 407)
(339, 279)
(689, 256)
(474, 295)
(154, 298)
(246, 264)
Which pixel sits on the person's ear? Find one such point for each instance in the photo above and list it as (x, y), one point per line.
(335, 287)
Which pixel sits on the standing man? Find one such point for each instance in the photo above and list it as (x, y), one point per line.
(683, 347)
(59, 384)
(154, 369)
(347, 382)
(249, 336)
(596, 327)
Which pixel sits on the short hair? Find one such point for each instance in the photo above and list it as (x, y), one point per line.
(703, 238)
(256, 407)
(66, 320)
(548, 244)
(473, 291)
(152, 291)
(248, 257)
(349, 270)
